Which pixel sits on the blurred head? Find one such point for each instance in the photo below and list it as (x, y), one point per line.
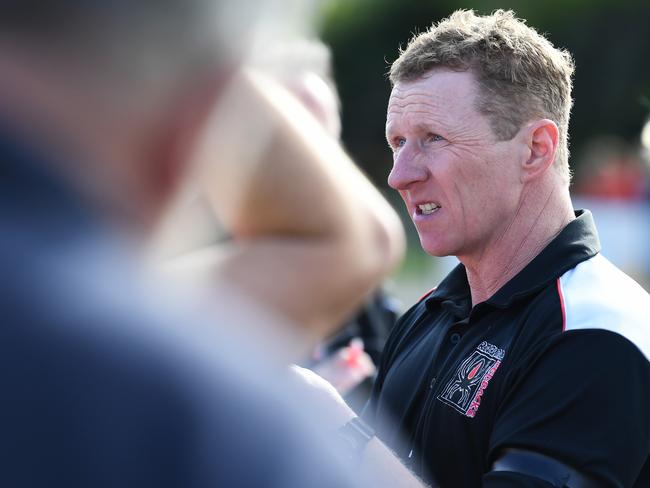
(117, 89)
(304, 67)
(520, 75)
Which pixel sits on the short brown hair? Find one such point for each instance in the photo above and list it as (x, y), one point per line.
(521, 75)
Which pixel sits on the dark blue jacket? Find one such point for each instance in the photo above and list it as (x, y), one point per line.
(99, 387)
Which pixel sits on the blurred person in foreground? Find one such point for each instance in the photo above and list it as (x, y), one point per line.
(106, 381)
(348, 357)
(304, 291)
(528, 364)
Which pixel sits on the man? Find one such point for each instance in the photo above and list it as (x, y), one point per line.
(528, 365)
(105, 382)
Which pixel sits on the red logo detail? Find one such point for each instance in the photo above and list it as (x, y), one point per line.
(471, 411)
(473, 372)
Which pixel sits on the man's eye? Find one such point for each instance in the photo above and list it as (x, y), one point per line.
(400, 141)
(435, 138)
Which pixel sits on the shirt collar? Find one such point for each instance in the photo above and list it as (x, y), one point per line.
(452, 293)
(577, 242)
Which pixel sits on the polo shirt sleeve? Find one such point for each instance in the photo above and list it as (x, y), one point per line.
(584, 401)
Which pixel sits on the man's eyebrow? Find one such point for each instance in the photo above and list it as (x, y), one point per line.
(391, 132)
(422, 127)
(419, 127)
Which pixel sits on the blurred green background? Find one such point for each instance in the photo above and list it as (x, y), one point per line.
(610, 42)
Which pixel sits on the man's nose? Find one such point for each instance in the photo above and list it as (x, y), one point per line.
(406, 170)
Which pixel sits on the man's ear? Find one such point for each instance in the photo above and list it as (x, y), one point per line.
(542, 139)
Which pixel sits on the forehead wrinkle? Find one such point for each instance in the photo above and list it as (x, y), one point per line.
(437, 118)
(424, 97)
(425, 120)
(437, 110)
(429, 103)
(425, 105)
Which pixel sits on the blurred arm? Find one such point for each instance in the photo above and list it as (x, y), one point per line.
(311, 234)
(378, 465)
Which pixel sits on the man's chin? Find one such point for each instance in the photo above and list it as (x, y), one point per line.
(436, 254)
(435, 249)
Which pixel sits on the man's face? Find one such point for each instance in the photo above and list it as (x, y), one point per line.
(460, 184)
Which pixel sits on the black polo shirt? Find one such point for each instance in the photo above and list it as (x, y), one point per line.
(555, 362)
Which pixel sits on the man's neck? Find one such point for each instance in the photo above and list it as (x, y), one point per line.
(540, 218)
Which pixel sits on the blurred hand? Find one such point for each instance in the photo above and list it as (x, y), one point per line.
(347, 368)
(331, 410)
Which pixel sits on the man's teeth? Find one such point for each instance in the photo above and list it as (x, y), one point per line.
(428, 208)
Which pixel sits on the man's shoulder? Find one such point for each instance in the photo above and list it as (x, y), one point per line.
(597, 295)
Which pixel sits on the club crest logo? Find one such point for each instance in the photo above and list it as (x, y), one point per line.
(465, 389)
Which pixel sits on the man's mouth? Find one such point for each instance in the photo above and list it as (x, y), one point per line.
(427, 208)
